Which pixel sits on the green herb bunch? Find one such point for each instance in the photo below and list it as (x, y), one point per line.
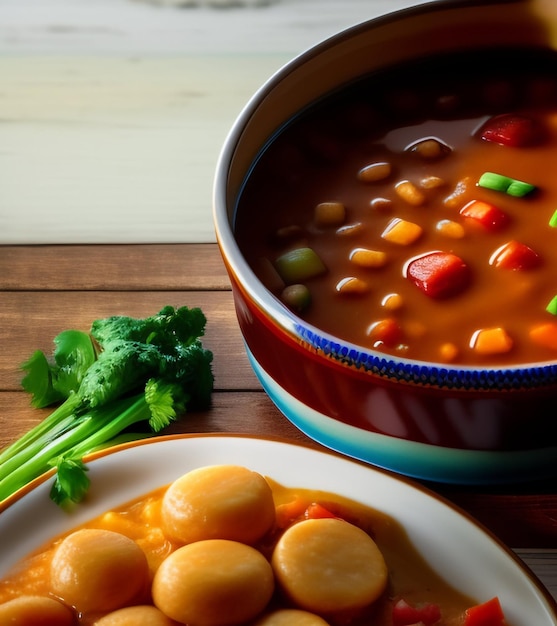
(126, 372)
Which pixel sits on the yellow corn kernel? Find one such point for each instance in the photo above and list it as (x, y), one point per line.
(375, 172)
(392, 302)
(402, 232)
(352, 285)
(431, 182)
(365, 257)
(350, 229)
(448, 352)
(491, 341)
(408, 192)
(451, 229)
(381, 204)
(329, 214)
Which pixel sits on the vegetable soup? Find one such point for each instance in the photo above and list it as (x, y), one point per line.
(415, 212)
(224, 545)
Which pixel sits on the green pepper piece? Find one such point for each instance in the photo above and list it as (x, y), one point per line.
(552, 306)
(299, 264)
(518, 188)
(553, 220)
(504, 184)
(495, 182)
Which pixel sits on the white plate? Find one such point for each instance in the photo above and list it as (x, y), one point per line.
(464, 553)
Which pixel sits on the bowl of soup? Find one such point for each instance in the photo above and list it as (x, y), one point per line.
(387, 213)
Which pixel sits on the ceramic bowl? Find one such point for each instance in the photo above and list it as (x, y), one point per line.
(428, 420)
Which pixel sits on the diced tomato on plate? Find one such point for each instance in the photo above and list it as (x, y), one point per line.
(318, 511)
(488, 613)
(405, 614)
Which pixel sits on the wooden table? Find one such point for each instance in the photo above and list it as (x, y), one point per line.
(113, 113)
(46, 289)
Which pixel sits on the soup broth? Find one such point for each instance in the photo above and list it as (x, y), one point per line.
(415, 212)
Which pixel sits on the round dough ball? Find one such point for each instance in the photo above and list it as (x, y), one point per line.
(98, 570)
(218, 502)
(329, 565)
(290, 617)
(141, 615)
(35, 611)
(213, 582)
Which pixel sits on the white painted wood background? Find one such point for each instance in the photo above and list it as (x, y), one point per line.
(112, 112)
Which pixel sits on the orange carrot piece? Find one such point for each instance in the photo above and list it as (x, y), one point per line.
(491, 341)
(402, 232)
(545, 335)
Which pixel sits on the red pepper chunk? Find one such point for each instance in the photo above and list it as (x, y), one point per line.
(485, 213)
(317, 511)
(290, 512)
(404, 614)
(438, 274)
(514, 255)
(511, 130)
(489, 613)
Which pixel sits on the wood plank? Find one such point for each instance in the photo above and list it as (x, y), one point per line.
(521, 519)
(17, 416)
(231, 412)
(543, 563)
(113, 267)
(84, 283)
(29, 321)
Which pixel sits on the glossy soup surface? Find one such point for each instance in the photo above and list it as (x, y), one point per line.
(409, 577)
(409, 147)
